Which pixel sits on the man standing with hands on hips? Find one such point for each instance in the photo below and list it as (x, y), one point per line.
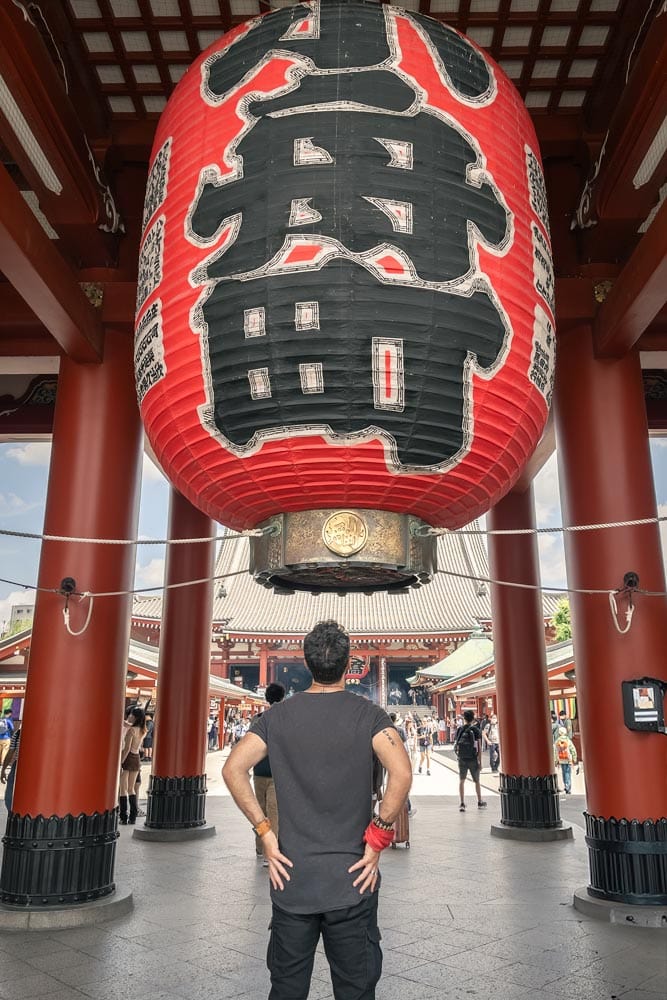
(324, 873)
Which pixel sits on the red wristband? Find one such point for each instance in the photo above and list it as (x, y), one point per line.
(376, 838)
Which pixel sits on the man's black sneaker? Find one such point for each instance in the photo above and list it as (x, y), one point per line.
(429, 773)
(481, 805)
(462, 807)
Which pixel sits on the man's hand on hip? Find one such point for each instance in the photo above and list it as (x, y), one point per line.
(278, 863)
(368, 868)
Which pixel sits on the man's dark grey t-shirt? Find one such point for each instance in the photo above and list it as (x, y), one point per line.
(321, 753)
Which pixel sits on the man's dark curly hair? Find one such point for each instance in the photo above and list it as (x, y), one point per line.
(326, 650)
(274, 693)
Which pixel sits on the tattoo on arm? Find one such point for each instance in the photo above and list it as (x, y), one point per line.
(389, 737)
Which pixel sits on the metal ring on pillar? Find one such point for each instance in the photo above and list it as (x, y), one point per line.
(51, 861)
(628, 860)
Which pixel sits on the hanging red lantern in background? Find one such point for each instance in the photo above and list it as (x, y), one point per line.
(345, 291)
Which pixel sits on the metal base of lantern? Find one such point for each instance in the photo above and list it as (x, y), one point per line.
(343, 550)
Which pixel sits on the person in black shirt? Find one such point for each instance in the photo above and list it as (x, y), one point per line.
(262, 778)
(324, 871)
(468, 749)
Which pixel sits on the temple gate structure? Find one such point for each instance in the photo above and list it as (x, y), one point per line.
(82, 85)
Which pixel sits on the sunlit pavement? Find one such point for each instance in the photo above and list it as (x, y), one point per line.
(463, 916)
(442, 780)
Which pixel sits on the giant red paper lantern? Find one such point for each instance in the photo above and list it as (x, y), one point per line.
(345, 285)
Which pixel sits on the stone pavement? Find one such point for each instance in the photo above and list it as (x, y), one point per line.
(463, 915)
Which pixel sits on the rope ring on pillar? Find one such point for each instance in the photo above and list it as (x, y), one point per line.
(91, 600)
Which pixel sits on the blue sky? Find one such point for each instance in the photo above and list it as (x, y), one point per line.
(23, 480)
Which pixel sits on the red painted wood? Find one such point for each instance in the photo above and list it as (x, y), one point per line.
(70, 742)
(606, 475)
(637, 296)
(518, 637)
(185, 647)
(263, 666)
(30, 261)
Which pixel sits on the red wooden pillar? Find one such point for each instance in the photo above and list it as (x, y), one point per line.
(70, 741)
(177, 792)
(606, 476)
(263, 666)
(528, 790)
(221, 725)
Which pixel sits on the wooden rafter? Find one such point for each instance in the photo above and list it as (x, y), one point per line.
(35, 268)
(637, 296)
(41, 130)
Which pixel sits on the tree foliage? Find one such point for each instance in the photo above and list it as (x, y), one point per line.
(562, 621)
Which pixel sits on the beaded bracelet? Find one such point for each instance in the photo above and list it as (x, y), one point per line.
(378, 839)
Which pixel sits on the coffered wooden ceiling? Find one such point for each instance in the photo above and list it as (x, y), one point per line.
(559, 53)
(83, 82)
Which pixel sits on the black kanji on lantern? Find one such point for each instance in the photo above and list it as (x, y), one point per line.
(348, 302)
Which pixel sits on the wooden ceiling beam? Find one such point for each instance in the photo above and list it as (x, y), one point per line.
(33, 265)
(41, 130)
(625, 184)
(637, 296)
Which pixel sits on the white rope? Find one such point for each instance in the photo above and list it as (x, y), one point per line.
(614, 612)
(545, 587)
(544, 531)
(259, 532)
(88, 616)
(124, 593)
(250, 533)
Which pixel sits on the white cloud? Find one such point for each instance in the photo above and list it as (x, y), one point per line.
(658, 442)
(662, 512)
(34, 453)
(11, 505)
(151, 473)
(547, 497)
(552, 561)
(15, 597)
(150, 575)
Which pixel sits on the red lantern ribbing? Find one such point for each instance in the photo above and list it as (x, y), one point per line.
(528, 787)
(345, 290)
(177, 792)
(61, 832)
(606, 476)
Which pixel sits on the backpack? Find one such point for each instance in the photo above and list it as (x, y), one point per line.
(465, 745)
(4, 729)
(563, 748)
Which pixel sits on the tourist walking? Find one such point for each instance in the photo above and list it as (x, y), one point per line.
(425, 734)
(468, 749)
(6, 730)
(8, 769)
(565, 755)
(324, 872)
(148, 738)
(564, 720)
(492, 740)
(411, 744)
(130, 763)
(262, 778)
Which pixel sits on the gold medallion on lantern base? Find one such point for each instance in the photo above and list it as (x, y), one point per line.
(343, 550)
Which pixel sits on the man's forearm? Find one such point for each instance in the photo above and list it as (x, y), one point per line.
(393, 800)
(240, 789)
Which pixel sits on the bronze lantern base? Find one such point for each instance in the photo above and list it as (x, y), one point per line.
(344, 551)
